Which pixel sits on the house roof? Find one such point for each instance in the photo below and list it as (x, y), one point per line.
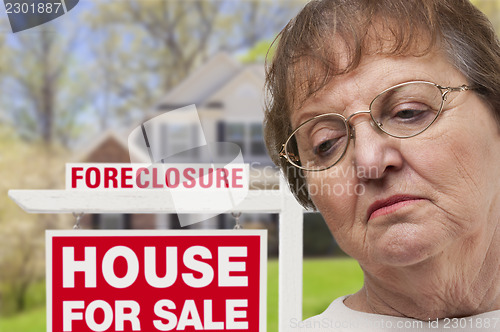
(202, 83)
(246, 75)
(109, 147)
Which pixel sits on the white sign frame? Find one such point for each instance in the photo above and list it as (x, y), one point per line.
(150, 201)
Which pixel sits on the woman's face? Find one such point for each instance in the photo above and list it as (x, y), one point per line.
(398, 202)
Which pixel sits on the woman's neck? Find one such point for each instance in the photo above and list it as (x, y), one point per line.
(435, 288)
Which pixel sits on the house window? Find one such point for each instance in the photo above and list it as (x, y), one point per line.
(247, 135)
(179, 140)
(235, 133)
(257, 146)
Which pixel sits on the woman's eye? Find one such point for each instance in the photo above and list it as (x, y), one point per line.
(408, 114)
(326, 147)
(413, 112)
(326, 140)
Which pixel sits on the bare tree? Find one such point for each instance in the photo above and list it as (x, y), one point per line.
(40, 88)
(148, 47)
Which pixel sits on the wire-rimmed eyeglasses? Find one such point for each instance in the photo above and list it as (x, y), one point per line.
(402, 111)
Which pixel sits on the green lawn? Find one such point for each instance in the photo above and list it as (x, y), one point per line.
(324, 280)
(30, 321)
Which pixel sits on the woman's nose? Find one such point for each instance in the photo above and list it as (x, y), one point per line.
(375, 153)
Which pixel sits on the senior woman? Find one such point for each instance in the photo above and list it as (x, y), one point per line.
(385, 117)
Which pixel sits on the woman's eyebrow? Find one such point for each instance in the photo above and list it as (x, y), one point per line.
(321, 106)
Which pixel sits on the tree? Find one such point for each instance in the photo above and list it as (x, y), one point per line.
(42, 88)
(146, 48)
(258, 53)
(24, 166)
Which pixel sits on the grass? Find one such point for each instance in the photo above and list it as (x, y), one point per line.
(324, 280)
(327, 279)
(28, 321)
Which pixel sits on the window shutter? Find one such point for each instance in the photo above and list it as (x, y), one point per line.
(221, 131)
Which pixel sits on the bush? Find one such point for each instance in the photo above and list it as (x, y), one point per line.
(318, 241)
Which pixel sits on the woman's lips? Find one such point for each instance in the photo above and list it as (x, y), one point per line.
(390, 205)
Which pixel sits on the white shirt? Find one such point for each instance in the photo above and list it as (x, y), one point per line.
(338, 317)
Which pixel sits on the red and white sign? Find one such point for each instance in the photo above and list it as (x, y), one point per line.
(102, 176)
(182, 280)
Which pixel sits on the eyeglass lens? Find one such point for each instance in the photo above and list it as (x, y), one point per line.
(404, 110)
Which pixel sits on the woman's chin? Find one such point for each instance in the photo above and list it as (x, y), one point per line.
(403, 244)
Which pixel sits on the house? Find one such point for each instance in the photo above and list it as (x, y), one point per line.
(229, 99)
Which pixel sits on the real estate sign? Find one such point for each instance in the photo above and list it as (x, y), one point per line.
(175, 280)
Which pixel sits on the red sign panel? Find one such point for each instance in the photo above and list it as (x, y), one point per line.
(185, 280)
